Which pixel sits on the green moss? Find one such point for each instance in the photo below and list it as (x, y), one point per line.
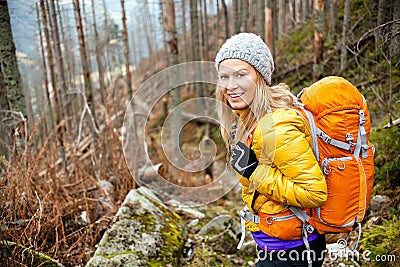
(156, 263)
(127, 252)
(173, 237)
(172, 233)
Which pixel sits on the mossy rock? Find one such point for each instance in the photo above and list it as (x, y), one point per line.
(13, 254)
(145, 233)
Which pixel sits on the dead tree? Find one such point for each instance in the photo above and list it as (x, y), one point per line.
(126, 50)
(319, 24)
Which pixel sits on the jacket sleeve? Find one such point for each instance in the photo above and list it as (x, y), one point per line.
(288, 171)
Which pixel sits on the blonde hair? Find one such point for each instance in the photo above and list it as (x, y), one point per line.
(267, 99)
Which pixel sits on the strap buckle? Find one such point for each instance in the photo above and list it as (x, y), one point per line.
(248, 216)
(308, 228)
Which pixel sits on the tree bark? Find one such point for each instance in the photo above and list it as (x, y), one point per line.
(51, 64)
(333, 18)
(59, 65)
(299, 11)
(84, 59)
(270, 26)
(282, 17)
(126, 50)
(5, 133)
(99, 60)
(108, 64)
(205, 32)
(319, 23)
(176, 121)
(9, 63)
(236, 16)
(395, 43)
(261, 9)
(184, 47)
(194, 30)
(4, 103)
(244, 16)
(226, 19)
(343, 54)
(147, 29)
(171, 32)
(49, 121)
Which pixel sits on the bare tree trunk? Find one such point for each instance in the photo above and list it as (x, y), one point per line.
(282, 17)
(126, 50)
(26, 91)
(68, 50)
(304, 13)
(194, 30)
(9, 63)
(147, 28)
(333, 18)
(176, 121)
(245, 16)
(226, 19)
(4, 103)
(291, 13)
(382, 18)
(269, 19)
(299, 11)
(51, 66)
(261, 22)
(85, 29)
(205, 32)
(60, 67)
(236, 16)
(5, 132)
(49, 114)
(163, 21)
(270, 25)
(172, 33)
(85, 61)
(99, 57)
(395, 44)
(10, 86)
(343, 54)
(319, 23)
(134, 48)
(108, 65)
(218, 28)
(72, 70)
(183, 46)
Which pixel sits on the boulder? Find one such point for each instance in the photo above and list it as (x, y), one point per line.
(145, 233)
(377, 204)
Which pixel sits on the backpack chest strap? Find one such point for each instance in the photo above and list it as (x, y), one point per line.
(328, 140)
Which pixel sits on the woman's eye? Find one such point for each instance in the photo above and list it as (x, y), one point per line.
(223, 77)
(240, 75)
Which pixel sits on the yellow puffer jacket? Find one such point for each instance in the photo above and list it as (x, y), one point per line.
(288, 171)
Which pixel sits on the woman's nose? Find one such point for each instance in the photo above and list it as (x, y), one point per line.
(231, 83)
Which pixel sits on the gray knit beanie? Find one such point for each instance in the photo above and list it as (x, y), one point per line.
(250, 48)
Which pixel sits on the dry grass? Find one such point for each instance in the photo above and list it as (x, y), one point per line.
(44, 201)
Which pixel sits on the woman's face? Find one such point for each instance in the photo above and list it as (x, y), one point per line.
(237, 80)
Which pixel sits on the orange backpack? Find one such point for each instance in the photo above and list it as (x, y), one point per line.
(339, 120)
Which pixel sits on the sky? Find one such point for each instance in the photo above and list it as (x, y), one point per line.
(24, 20)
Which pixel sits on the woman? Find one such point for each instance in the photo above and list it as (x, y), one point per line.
(270, 145)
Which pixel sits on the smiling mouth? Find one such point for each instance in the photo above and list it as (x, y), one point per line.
(236, 95)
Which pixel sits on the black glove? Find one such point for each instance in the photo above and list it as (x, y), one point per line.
(244, 161)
